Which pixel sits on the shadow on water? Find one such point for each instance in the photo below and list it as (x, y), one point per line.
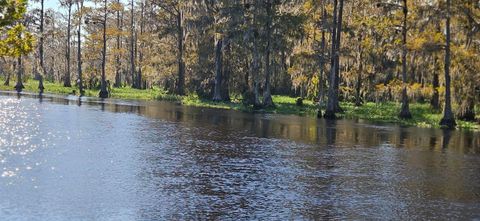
(446, 136)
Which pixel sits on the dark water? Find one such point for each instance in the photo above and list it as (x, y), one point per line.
(62, 159)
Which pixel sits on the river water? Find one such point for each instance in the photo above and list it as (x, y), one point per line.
(67, 159)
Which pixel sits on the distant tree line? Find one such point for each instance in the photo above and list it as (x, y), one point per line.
(325, 50)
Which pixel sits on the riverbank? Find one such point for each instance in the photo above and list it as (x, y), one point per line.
(423, 115)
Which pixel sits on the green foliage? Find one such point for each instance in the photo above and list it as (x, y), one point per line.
(11, 11)
(15, 40)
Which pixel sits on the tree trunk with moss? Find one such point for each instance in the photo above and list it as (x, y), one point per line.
(181, 52)
(405, 110)
(448, 119)
(332, 94)
(466, 111)
(322, 64)
(267, 94)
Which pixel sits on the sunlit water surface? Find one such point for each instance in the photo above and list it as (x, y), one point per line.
(65, 159)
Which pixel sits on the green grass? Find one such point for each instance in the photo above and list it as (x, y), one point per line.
(149, 94)
(120, 93)
(32, 86)
(194, 100)
(423, 115)
(287, 105)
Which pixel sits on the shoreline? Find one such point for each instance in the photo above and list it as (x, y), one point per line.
(423, 115)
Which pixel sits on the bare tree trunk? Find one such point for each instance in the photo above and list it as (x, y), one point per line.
(79, 47)
(321, 91)
(405, 111)
(330, 111)
(42, 64)
(181, 62)
(435, 84)
(2, 65)
(103, 83)
(67, 81)
(132, 46)
(19, 86)
(226, 72)
(267, 95)
(135, 56)
(118, 77)
(413, 69)
(358, 87)
(246, 87)
(7, 80)
(338, 109)
(51, 73)
(255, 73)
(217, 93)
(140, 51)
(448, 119)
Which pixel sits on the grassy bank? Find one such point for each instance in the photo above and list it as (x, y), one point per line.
(423, 115)
(120, 93)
